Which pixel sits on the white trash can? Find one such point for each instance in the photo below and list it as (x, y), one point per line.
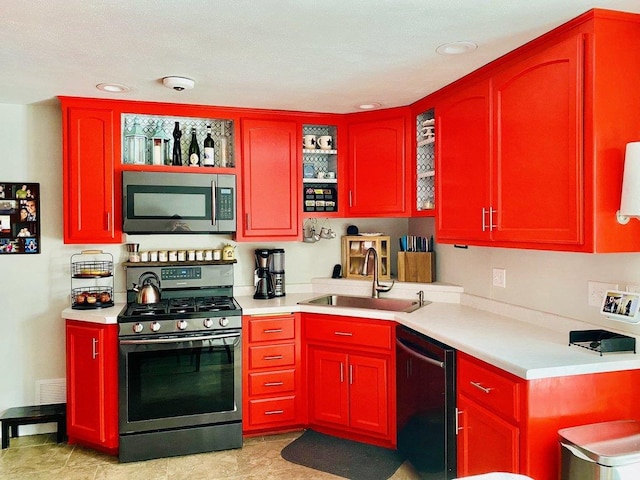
(601, 451)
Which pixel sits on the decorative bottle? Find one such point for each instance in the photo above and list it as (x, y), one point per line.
(194, 150)
(208, 160)
(177, 151)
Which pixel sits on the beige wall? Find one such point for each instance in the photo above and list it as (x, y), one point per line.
(554, 282)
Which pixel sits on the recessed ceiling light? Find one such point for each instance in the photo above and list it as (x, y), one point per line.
(112, 87)
(456, 48)
(369, 106)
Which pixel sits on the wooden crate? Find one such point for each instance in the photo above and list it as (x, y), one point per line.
(418, 267)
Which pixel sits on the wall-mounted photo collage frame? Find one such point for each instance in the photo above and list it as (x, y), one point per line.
(19, 218)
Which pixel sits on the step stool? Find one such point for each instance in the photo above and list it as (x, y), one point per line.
(12, 418)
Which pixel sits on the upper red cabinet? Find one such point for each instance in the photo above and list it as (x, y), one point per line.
(530, 149)
(270, 180)
(377, 183)
(88, 174)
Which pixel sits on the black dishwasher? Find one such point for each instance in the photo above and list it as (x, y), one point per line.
(426, 403)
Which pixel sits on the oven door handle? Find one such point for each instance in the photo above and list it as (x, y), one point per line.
(150, 341)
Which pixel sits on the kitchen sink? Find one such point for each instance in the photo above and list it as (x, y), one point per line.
(347, 301)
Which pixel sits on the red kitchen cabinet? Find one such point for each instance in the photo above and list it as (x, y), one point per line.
(558, 122)
(271, 180)
(488, 419)
(377, 164)
(351, 378)
(92, 385)
(463, 164)
(510, 424)
(272, 395)
(88, 174)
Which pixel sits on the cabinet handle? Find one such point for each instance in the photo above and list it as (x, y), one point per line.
(273, 357)
(491, 212)
(341, 372)
(480, 387)
(343, 334)
(246, 220)
(350, 201)
(94, 348)
(273, 384)
(350, 374)
(458, 413)
(272, 330)
(274, 412)
(108, 219)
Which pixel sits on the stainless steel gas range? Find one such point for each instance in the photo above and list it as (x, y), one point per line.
(180, 364)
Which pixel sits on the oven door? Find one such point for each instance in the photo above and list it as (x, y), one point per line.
(173, 382)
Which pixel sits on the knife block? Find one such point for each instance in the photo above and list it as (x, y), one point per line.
(418, 267)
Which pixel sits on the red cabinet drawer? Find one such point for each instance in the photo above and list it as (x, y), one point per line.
(489, 387)
(272, 356)
(276, 410)
(267, 383)
(348, 332)
(271, 328)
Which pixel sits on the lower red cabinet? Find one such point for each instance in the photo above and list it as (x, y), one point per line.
(351, 377)
(272, 392)
(92, 384)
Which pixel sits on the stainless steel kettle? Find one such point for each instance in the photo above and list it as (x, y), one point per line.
(147, 292)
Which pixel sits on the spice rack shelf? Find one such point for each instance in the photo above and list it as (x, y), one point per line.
(354, 249)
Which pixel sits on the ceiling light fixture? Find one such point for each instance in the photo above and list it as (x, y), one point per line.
(369, 106)
(456, 48)
(178, 83)
(113, 87)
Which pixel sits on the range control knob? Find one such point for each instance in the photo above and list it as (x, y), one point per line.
(224, 321)
(155, 326)
(182, 324)
(137, 327)
(207, 322)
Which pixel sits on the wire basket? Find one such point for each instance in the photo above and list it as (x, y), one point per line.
(91, 280)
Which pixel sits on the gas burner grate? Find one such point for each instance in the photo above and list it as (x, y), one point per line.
(214, 304)
(602, 341)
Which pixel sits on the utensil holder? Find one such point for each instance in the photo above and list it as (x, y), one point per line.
(418, 267)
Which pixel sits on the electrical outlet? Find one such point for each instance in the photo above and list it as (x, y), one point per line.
(597, 290)
(500, 277)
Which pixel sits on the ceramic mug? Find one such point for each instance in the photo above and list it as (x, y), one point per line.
(325, 142)
(309, 141)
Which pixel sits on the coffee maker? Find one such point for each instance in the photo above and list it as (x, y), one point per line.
(276, 270)
(263, 280)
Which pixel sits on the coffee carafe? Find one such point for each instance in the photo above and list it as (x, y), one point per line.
(276, 270)
(263, 280)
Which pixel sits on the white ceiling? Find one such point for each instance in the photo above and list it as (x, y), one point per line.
(310, 55)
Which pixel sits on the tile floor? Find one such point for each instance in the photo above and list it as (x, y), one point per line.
(38, 457)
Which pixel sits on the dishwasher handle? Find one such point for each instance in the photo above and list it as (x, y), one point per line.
(419, 355)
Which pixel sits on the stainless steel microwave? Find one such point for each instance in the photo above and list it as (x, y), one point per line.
(159, 202)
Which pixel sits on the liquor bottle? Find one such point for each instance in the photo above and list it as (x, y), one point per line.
(177, 151)
(194, 150)
(208, 159)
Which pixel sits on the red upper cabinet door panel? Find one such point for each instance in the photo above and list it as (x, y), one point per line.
(270, 177)
(377, 167)
(463, 165)
(538, 181)
(89, 200)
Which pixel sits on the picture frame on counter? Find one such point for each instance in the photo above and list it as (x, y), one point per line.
(19, 218)
(622, 306)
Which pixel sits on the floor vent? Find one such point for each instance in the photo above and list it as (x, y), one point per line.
(51, 390)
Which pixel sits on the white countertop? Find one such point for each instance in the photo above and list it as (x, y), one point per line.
(526, 343)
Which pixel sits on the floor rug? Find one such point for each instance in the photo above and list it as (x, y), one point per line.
(345, 458)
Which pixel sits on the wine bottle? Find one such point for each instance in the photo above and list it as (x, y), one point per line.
(194, 150)
(208, 159)
(177, 151)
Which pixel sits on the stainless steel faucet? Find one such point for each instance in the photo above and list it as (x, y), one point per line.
(376, 288)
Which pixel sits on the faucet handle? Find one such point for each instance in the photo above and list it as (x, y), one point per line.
(385, 288)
